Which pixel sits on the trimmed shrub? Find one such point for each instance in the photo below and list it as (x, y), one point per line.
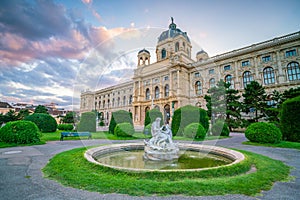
(65, 127)
(124, 130)
(20, 132)
(186, 115)
(45, 122)
(262, 132)
(289, 119)
(151, 116)
(194, 130)
(118, 117)
(87, 122)
(220, 128)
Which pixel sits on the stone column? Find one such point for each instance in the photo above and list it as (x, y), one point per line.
(258, 79)
(281, 74)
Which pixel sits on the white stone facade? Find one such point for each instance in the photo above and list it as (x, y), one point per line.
(175, 79)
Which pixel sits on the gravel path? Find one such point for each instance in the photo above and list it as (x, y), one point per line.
(21, 176)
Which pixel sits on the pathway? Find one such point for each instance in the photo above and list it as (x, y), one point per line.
(21, 176)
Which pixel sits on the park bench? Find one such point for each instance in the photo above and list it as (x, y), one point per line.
(75, 134)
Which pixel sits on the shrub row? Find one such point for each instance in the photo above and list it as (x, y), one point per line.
(65, 127)
(87, 122)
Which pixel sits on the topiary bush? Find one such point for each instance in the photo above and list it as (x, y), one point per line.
(151, 116)
(289, 119)
(20, 132)
(87, 122)
(262, 132)
(220, 128)
(45, 122)
(195, 131)
(124, 130)
(186, 115)
(147, 129)
(65, 127)
(118, 117)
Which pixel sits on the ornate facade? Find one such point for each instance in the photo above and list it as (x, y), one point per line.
(176, 79)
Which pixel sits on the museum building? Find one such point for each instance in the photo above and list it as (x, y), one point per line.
(176, 79)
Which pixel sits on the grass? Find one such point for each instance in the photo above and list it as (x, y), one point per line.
(282, 144)
(225, 180)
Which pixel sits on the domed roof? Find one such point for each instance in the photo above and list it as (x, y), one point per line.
(201, 51)
(172, 32)
(144, 50)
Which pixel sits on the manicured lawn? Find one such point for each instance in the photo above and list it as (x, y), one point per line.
(282, 144)
(225, 180)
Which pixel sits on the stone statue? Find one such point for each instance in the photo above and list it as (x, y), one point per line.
(160, 146)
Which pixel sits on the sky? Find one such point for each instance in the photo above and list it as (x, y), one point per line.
(52, 50)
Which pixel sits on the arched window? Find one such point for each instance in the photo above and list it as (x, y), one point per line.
(113, 102)
(104, 104)
(247, 78)
(177, 46)
(108, 102)
(293, 71)
(118, 101)
(156, 92)
(212, 83)
(167, 90)
(130, 99)
(147, 94)
(163, 54)
(269, 75)
(124, 100)
(228, 79)
(198, 88)
(99, 104)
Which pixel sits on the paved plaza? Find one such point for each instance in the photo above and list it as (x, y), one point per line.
(21, 176)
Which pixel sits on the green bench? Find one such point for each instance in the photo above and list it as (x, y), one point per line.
(74, 134)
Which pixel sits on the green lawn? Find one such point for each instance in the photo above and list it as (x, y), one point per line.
(225, 180)
(282, 144)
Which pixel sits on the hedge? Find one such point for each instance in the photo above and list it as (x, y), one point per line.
(118, 117)
(45, 122)
(65, 127)
(289, 119)
(186, 115)
(20, 132)
(195, 131)
(262, 132)
(124, 130)
(220, 128)
(87, 122)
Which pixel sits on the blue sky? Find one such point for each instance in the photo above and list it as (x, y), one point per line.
(52, 50)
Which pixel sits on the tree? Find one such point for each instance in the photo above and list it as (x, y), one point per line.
(255, 99)
(23, 114)
(223, 103)
(41, 109)
(233, 107)
(11, 115)
(69, 118)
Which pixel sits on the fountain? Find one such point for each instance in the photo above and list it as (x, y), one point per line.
(160, 153)
(160, 147)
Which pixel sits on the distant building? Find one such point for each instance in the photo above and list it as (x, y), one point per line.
(175, 79)
(5, 107)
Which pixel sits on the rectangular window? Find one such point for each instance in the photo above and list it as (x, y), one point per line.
(197, 74)
(266, 58)
(245, 63)
(290, 53)
(166, 78)
(211, 71)
(227, 67)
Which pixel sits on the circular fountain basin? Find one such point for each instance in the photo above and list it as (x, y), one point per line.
(193, 157)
